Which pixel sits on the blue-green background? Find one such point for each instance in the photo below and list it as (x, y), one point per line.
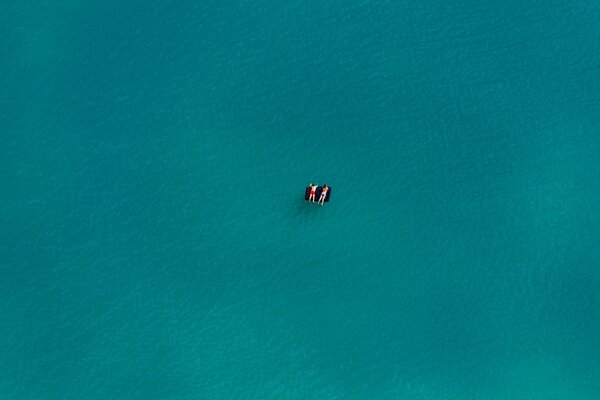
(154, 240)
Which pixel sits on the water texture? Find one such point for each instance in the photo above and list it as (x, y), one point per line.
(154, 240)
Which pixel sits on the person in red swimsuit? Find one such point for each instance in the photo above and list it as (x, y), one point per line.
(313, 191)
(323, 194)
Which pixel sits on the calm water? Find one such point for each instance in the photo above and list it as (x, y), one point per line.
(154, 240)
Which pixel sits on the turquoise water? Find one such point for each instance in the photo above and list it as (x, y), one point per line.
(154, 240)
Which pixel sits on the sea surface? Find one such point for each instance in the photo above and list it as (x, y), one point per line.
(154, 238)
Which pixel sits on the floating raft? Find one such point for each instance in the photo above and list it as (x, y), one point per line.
(317, 193)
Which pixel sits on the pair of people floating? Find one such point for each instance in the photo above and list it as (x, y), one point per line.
(312, 193)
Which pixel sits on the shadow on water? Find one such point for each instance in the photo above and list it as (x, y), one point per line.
(304, 209)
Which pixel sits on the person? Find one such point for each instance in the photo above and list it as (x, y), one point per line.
(313, 191)
(323, 194)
